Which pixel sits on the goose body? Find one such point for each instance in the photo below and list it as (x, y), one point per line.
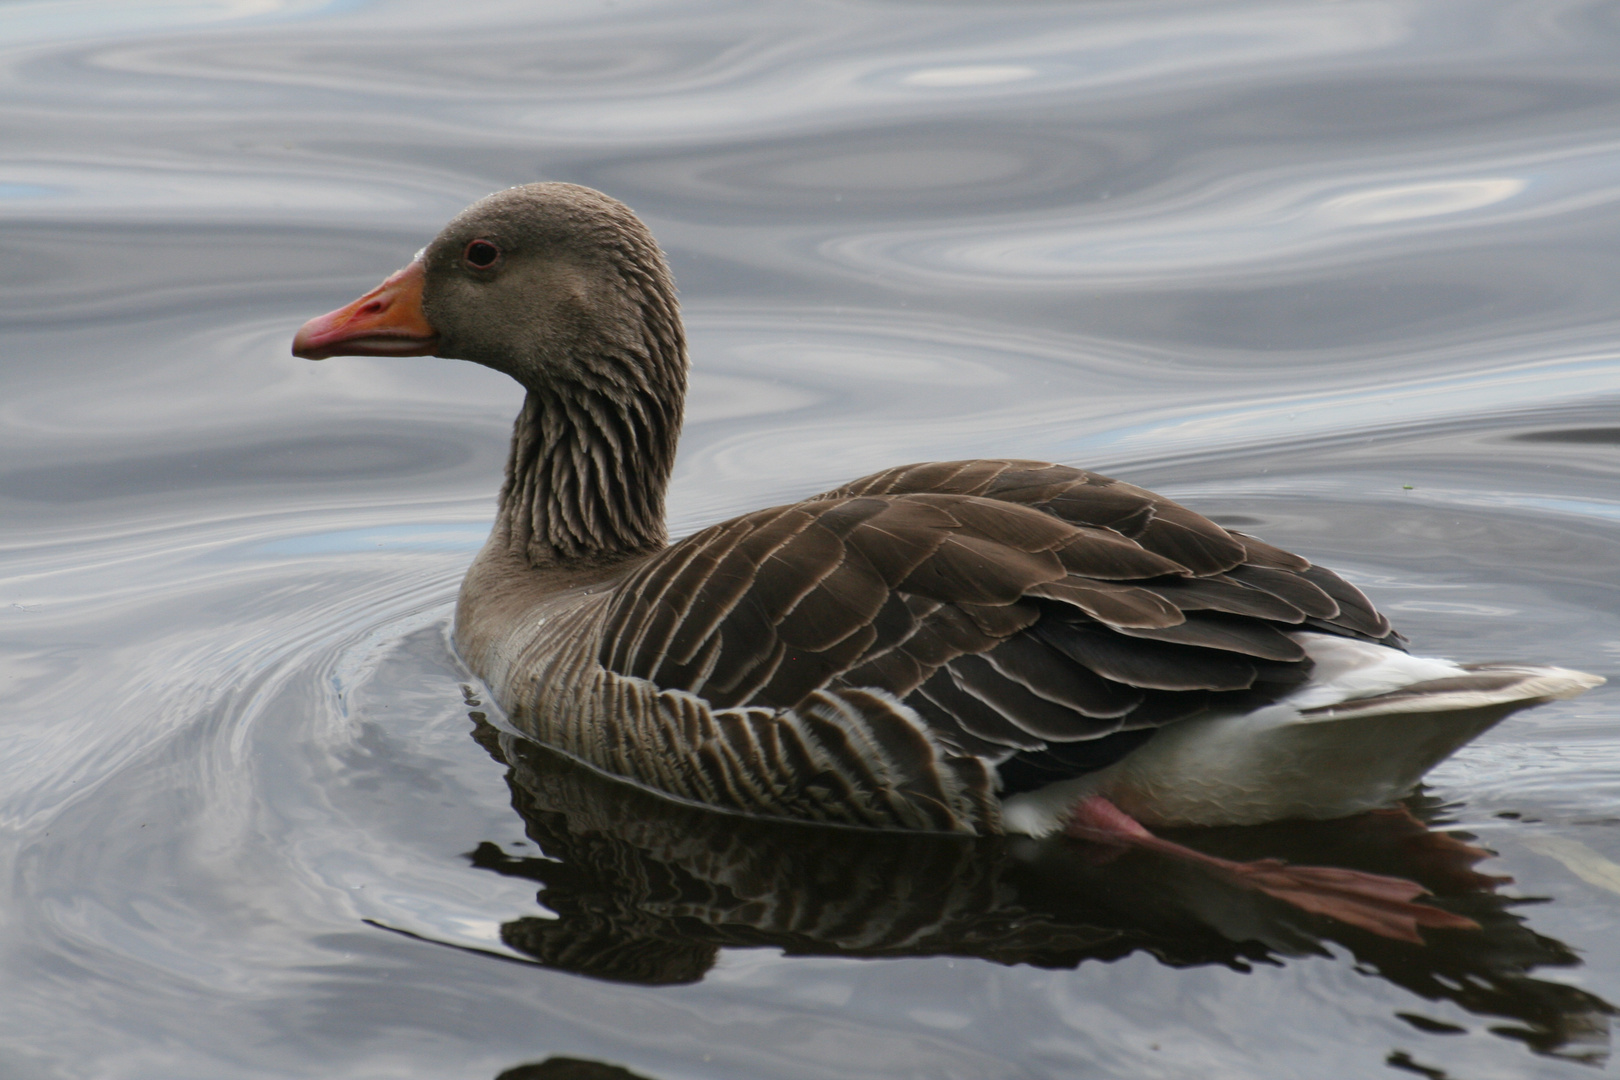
(970, 646)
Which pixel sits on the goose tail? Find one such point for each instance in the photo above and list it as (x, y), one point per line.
(1473, 686)
(1359, 735)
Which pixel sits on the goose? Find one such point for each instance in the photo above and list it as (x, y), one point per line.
(978, 646)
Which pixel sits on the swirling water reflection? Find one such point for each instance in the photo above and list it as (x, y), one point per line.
(1340, 274)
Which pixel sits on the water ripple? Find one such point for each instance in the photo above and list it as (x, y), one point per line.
(1338, 274)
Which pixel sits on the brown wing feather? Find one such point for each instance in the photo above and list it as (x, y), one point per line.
(1355, 610)
(1115, 604)
(1221, 593)
(1029, 661)
(1228, 635)
(1018, 607)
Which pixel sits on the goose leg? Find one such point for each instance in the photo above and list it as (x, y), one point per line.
(1373, 902)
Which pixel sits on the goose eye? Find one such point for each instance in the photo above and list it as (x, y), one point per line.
(481, 254)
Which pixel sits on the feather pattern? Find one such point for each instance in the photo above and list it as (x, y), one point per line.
(908, 650)
(973, 611)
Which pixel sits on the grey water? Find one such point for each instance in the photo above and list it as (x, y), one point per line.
(1343, 274)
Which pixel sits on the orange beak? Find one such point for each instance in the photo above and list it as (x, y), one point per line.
(387, 321)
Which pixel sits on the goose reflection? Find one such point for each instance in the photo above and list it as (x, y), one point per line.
(648, 891)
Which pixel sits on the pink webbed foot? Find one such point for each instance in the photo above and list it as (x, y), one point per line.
(1381, 905)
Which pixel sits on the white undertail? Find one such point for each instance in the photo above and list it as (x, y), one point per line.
(1359, 735)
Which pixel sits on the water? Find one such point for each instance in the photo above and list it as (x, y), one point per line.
(1340, 274)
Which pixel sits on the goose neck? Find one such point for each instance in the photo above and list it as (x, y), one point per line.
(586, 476)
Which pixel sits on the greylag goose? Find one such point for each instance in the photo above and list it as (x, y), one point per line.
(969, 646)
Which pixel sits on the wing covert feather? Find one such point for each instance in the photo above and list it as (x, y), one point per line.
(1013, 605)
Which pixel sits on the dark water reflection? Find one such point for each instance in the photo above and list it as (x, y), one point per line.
(1341, 274)
(639, 891)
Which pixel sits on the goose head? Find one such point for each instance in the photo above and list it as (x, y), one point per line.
(554, 284)
(563, 289)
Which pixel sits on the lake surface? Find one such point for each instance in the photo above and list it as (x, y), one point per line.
(1340, 274)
